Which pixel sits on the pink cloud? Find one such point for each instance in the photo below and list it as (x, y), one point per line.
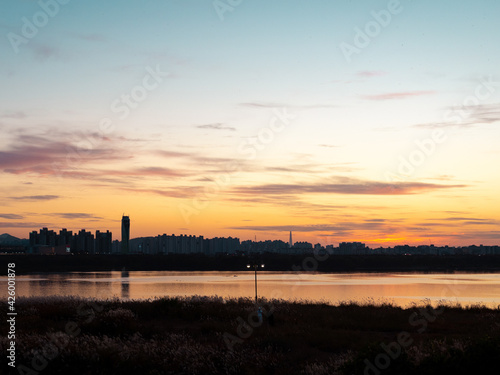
(343, 186)
(371, 73)
(397, 95)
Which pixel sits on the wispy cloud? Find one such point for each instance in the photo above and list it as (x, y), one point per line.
(151, 171)
(117, 177)
(346, 186)
(466, 117)
(13, 115)
(464, 219)
(443, 177)
(307, 168)
(171, 154)
(196, 159)
(170, 192)
(486, 113)
(371, 73)
(40, 154)
(11, 216)
(341, 229)
(65, 155)
(29, 150)
(17, 224)
(397, 95)
(458, 222)
(473, 236)
(141, 172)
(285, 105)
(216, 126)
(92, 37)
(467, 221)
(44, 52)
(36, 197)
(76, 215)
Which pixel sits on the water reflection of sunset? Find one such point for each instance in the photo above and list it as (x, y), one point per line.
(400, 289)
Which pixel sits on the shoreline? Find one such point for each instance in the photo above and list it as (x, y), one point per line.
(368, 303)
(26, 264)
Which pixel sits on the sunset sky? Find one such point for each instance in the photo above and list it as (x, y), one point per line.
(372, 121)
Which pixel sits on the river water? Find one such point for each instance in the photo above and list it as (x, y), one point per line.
(397, 288)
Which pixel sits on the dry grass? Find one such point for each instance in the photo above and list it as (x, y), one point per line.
(187, 336)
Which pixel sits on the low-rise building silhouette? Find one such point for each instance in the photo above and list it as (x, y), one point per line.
(48, 242)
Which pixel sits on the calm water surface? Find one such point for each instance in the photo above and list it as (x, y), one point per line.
(401, 289)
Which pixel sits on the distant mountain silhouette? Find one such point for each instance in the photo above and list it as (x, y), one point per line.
(7, 239)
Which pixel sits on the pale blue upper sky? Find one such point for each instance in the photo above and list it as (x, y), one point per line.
(263, 51)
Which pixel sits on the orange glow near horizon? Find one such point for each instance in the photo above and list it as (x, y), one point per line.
(152, 214)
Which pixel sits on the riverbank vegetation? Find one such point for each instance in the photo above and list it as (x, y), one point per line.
(211, 335)
(274, 262)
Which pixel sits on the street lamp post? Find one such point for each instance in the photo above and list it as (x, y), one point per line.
(255, 266)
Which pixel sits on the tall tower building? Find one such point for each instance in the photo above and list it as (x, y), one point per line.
(125, 234)
(291, 243)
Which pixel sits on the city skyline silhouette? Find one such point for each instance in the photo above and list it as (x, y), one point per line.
(371, 123)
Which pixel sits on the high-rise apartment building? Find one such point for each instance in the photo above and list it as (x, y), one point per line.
(125, 234)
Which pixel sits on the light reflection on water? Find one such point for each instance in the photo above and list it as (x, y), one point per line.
(400, 289)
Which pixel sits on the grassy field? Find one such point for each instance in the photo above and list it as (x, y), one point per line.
(201, 335)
